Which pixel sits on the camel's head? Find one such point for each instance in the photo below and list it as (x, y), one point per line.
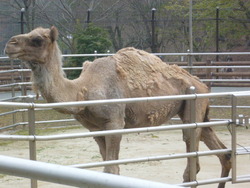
(34, 46)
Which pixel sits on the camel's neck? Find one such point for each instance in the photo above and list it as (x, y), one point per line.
(49, 79)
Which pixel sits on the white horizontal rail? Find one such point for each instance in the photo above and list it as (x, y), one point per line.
(16, 84)
(153, 158)
(214, 67)
(243, 151)
(205, 182)
(226, 106)
(122, 101)
(71, 176)
(113, 132)
(196, 53)
(185, 67)
(13, 125)
(225, 80)
(158, 54)
(240, 179)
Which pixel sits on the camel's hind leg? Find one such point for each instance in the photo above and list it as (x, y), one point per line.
(204, 134)
(212, 141)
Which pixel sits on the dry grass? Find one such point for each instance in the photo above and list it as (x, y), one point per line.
(21, 117)
(225, 113)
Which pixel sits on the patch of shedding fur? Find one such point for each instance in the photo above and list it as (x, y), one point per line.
(141, 70)
(155, 116)
(81, 96)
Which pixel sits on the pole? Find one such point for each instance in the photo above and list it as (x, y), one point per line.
(193, 141)
(153, 31)
(234, 137)
(32, 131)
(23, 87)
(191, 26)
(88, 17)
(190, 63)
(217, 32)
(22, 21)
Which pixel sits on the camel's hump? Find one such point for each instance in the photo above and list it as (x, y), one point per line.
(140, 68)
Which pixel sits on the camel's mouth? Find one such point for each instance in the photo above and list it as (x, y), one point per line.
(13, 50)
(13, 54)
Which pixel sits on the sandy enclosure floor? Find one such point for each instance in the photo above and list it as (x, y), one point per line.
(84, 150)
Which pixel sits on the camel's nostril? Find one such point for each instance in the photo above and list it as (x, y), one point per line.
(14, 41)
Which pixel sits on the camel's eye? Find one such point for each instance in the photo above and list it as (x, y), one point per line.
(36, 42)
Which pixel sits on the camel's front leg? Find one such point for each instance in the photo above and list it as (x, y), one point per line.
(109, 148)
(100, 140)
(186, 139)
(112, 118)
(112, 152)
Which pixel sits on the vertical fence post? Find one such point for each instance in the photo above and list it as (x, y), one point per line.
(233, 141)
(95, 53)
(32, 143)
(12, 79)
(153, 45)
(190, 62)
(22, 20)
(217, 36)
(193, 160)
(209, 73)
(88, 17)
(217, 32)
(23, 87)
(12, 89)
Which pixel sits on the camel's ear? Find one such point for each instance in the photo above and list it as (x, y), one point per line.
(53, 33)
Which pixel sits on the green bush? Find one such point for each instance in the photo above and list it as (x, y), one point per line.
(88, 41)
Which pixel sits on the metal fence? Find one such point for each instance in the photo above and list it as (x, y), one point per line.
(243, 121)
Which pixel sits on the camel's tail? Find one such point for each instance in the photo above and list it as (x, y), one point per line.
(206, 118)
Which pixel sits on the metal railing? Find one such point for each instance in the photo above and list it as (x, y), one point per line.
(234, 151)
(71, 176)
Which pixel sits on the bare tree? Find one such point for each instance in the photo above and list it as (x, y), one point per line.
(29, 13)
(142, 27)
(70, 16)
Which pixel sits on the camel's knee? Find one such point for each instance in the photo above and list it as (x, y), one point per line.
(228, 156)
(102, 146)
(226, 163)
(186, 135)
(114, 169)
(226, 167)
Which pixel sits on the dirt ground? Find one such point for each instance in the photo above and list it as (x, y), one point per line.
(84, 150)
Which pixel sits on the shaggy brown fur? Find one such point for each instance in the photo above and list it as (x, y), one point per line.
(129, 73)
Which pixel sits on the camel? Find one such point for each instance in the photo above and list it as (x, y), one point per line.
(127, 74)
